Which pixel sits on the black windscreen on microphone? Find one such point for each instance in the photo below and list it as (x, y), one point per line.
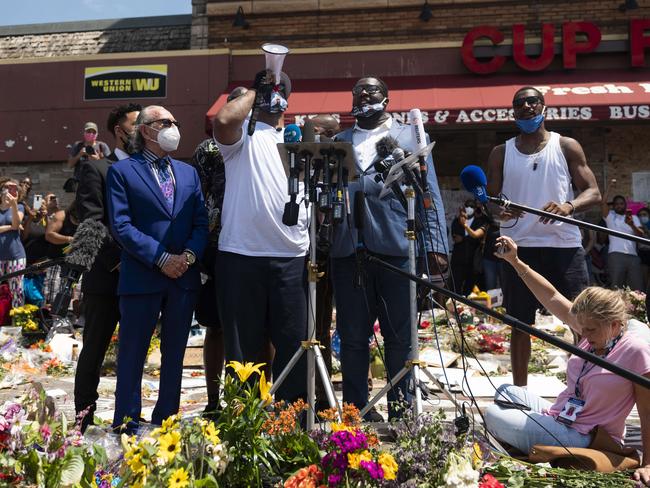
(385, 147)
(308, 131)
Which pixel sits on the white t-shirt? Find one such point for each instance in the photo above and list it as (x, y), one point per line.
(256, 191)
(617, 222)
(365, 142)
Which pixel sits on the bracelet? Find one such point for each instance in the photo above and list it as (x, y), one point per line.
(573, 208)
(524, 273)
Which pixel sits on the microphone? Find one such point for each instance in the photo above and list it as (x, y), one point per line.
(292, 134)
(474, 180)
(384, 147)
(309, 132)
(86, 243)
(420, 137)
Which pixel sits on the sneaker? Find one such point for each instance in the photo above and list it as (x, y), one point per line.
(373, 416)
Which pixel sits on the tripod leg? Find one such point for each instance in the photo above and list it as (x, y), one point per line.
(417, 404)
(327, 381)
(287, 369)
(392, 381)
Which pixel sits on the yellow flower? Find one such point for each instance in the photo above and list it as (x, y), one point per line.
(179, 479)
(336, 426)
(245, 370)
(388, 464)
(477, 456)
(265, 390)
(136, 464)
(169, 445)
(169, 424)
(353, 460)
(211, 433)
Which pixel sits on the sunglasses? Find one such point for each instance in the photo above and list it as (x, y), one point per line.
(165, 123)
(369, 89)
(531, 101)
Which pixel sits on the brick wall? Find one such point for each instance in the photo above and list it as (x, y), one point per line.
(167, 38)
(343, 23)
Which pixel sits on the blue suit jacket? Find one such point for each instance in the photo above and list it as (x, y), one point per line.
(385, 219)
(145, 227)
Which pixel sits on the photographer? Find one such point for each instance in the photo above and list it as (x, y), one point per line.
(12, 252)
(86, 150)
(599, 316)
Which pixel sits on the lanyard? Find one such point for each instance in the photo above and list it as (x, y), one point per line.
(584, 369)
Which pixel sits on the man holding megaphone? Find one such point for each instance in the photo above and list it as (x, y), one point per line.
(261, 289)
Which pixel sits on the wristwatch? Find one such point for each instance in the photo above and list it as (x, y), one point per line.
(190, 258)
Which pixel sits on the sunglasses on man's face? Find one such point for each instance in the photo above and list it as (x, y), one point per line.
(531, 101)
(369, 89)
(165, 123)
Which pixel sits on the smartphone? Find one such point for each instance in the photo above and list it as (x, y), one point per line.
(13, 191)
(90, 150)
(628, 213)
(38, 201)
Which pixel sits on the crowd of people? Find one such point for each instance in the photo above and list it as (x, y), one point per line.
(207, 239)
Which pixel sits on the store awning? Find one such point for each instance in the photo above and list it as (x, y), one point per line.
(469, 99)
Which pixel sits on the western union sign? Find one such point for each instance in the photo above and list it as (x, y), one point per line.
(115, 82)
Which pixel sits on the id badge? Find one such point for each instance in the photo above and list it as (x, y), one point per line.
(571, 410)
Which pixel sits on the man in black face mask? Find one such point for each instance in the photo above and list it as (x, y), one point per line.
(384, 296)
(99, 285)
(260, 269)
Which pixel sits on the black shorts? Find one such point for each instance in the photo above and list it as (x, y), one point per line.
(565, 268)
(206, 312)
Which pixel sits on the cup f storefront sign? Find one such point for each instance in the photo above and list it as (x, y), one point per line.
(578, 38)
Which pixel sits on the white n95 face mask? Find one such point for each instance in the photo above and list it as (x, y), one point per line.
(169, 138)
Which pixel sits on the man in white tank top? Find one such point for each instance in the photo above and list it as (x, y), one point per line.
(539, 169)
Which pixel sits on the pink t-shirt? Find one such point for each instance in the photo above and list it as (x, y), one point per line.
(608, 397)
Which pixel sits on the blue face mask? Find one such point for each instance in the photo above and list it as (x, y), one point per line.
(528, 126)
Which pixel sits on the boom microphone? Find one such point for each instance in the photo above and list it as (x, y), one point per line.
(86, 243)
(474, 180)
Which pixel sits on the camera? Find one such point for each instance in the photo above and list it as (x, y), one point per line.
(90, 150)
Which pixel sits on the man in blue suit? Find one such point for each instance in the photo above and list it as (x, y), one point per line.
(384, 295)
(158, 216)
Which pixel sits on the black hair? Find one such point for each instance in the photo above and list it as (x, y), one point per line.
(532, 88)
(644, 209)
(118, 114)
(382, 83)
(616, 197)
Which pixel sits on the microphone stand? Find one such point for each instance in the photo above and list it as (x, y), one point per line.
(311, 346)
(519, 325)
(503, 202)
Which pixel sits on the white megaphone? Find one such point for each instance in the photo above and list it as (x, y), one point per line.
(275, 54)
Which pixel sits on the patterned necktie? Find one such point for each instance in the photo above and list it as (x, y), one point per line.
(165, 180)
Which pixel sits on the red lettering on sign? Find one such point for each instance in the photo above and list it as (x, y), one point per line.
(519, 48)
(639, 41)
(571, 47)
(467, 51)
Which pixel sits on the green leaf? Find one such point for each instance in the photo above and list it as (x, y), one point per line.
(208, 482)
(73, 470)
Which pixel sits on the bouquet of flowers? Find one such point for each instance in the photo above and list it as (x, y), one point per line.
(37, 448)
(352, 457)
(174, 454)
(23, 317)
